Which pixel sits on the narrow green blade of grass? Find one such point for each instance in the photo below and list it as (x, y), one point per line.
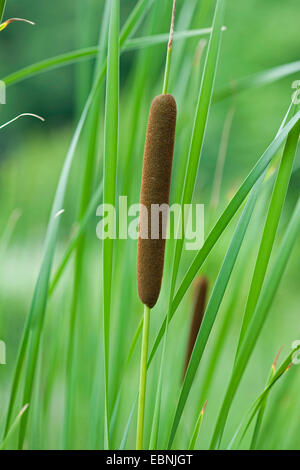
(127, 363)
(197, 428)
(214, 304)
(257, 80)
(9, 230)
(76, 56)
(156, 39)
(95, 200)
(223, 221)
(218, 176)
(271, 225)
(259, 402)
(13, 427)
(92, 143)
(261, 412)
(276, 416)
(257, 322)
(127, 427)
(257, 408)
(109, 183)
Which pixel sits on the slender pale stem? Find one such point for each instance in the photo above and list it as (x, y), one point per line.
(21, 115)
(169, 51)
(143, 377)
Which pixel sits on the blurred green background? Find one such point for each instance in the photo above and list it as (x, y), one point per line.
(260, 34)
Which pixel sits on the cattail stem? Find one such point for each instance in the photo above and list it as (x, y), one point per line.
(143, 376)
(169, 51)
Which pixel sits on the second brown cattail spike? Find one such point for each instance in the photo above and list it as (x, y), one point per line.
(155, 189)
(199, 310)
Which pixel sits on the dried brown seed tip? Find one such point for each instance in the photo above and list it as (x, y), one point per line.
(155, 189)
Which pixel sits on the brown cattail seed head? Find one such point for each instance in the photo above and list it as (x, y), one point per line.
(155, 190)
(201, 288)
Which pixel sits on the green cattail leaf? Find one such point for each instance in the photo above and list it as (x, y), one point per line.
(260, 401)
(258, 320)
(257, 80)
(197, 428)
(94, 202)
(13, 427)
(111, 131)
(92, 143)
(90, 52)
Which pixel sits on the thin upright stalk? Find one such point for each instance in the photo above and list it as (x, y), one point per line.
(85, 197)
(143, 377)
(111, 141)
(169, 51)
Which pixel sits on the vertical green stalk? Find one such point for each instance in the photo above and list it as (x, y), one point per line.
(87, 185)
(169, 51)
(262, 408)
(109, 185)
(143, 376)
